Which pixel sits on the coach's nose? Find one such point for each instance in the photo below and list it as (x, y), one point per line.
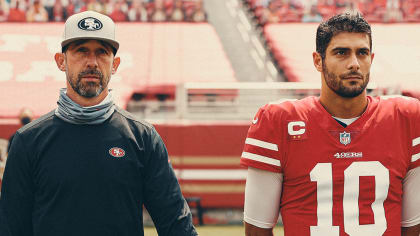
(91, 60)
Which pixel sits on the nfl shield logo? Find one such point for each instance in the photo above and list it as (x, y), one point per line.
(345, 138)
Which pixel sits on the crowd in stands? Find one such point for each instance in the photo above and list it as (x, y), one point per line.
(118, 10)
(386, 11)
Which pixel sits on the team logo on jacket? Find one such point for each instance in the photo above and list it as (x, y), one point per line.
(117, 152)
(345, 138)
(90, 24)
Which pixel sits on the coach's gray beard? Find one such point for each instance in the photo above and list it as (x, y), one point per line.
(88, 89)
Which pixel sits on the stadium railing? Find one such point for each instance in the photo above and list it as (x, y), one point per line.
(224, 101)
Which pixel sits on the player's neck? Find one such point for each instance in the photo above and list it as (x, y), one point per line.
(342, 107)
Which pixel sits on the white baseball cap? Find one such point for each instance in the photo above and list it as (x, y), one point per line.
(89, 25)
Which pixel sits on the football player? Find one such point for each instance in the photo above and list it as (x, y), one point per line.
(340, 164)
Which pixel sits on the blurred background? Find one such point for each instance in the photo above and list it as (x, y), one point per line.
(199, 70)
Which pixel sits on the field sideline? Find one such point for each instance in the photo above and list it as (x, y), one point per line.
(229, 230)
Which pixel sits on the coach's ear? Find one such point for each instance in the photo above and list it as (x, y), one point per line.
(317, 61)
(59, 59)
(115, 65)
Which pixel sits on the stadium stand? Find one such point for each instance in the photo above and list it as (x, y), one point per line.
(156, 57)
(118, 10)
(375, 11)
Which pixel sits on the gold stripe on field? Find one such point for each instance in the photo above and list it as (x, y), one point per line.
(213, 188)
(219, 160)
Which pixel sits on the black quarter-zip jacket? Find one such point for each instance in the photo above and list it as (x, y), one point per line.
(63, 179)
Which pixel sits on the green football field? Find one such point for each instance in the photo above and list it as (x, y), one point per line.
(216, 231)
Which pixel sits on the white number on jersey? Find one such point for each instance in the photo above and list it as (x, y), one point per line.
(322, 174)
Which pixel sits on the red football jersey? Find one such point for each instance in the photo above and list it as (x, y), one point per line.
(337, 181)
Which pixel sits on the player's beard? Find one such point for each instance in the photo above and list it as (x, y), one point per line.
(336, 84)
(89, 89)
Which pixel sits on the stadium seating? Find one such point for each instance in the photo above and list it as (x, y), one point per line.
(155, 58)
(121, 10)
(375, 11)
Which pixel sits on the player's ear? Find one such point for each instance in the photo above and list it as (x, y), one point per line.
(317, 61)
(60, 61)
(115, 64)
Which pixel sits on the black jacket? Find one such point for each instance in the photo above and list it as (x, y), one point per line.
(75, 180)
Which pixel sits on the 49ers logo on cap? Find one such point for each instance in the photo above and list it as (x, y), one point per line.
(117, 152)
(90, 24)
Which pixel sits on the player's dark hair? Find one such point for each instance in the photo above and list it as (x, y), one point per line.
(114, 51)
(352, 22)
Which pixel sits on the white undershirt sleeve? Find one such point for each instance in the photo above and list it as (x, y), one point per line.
(262, 197)
(411, 199)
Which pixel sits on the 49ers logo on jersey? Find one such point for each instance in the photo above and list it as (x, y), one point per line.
(297, 130)
(117, 152)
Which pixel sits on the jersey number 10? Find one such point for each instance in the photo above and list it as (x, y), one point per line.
(322, 175)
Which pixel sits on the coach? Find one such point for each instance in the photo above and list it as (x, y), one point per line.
(88, 167)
